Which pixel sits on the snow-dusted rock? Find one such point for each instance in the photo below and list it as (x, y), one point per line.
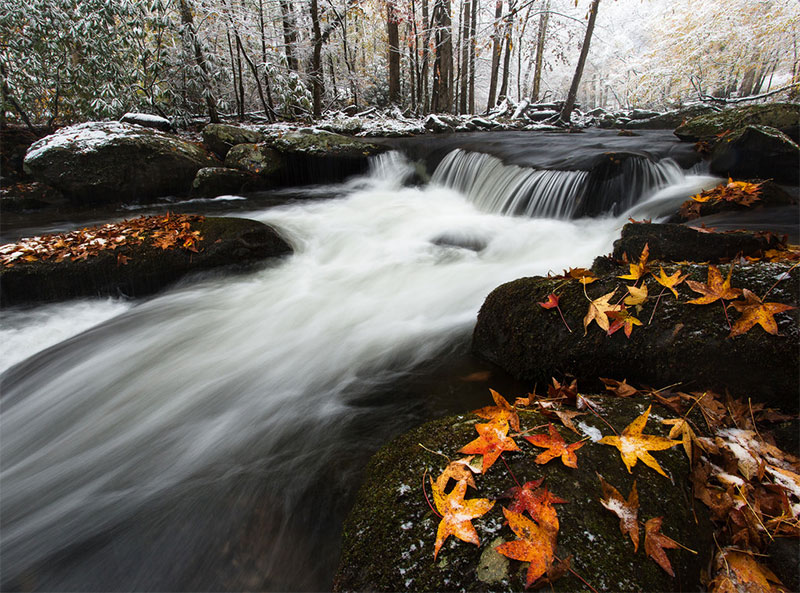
(211, 182)
(320, 143)
(222, 137)
(112, 161)
(147, 120)
(435, 124)
(258, 159)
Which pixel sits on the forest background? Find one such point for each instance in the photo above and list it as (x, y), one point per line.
(64, 61)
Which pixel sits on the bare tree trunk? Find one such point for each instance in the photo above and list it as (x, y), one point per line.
(569, 104)
(416, 98)
(239, 103)
(473, 25)
(317, 81)
(497, 50)
(442, 93)
(466, 43)
(507, 58)
(426, 40)
(540, 39)
(187, 20)
(289, 35)
(394, 52)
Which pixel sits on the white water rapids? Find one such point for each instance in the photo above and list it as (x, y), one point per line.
(264, 378)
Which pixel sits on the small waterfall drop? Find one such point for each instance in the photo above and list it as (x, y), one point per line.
(613, 185)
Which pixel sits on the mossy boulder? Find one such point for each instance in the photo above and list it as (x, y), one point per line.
(390, 533)
(757, 151)
(683, 343)
(258, 159)
(324, 144)
(675, 242)
(235, 243)
(783, 116)
(113, 161)
(222, 137)
(211, 182)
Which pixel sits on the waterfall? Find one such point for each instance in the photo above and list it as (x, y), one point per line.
(613, 185)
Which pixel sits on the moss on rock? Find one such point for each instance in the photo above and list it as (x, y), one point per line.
(783, 116)
(390, 533)
(222, 137)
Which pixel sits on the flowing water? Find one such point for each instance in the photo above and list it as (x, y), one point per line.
(212, 438)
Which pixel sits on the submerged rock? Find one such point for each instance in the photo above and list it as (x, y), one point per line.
(390, 533)
(684, 343)
(228, 242)
(222, 137)
(113, 161)
(783, 116)
(757, 151)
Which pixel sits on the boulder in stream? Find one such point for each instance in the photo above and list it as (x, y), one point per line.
(390, 533)
(757, 151)
(222, 137)
(211, 182)
(113, 161)
(783, 116)
(257, 159)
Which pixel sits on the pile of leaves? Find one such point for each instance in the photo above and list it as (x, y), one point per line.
(612, 316)
(741, 193)
(751, 487)
(171, 231)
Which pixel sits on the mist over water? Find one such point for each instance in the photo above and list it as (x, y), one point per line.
(211, 437)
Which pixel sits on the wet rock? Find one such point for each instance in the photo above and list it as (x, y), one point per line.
(22, 197)
(675, 242)
(222, 137)
(211, 182)
(233, 243)
(390, 533)
(668, 120)
(113, 161)
(771, 195)
(15, 141)
(684, 343)
(257, 159)
(783, 116)
(757, 151)
(147, 120)
(641, 114)
(323, 144)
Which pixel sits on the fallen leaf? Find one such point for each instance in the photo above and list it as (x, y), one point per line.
(670, 281)
(556, 447)
(655, 542)
(626, 510)
(457, 515)
(502, 411)
(566, 417)
(598, 312)
(491, 443)
(637, 296)
(622, 319)
(681, 426)
(714, 289)
(538, 502)
(756, 312)
(619, 388)
(457, 470)
(633, 445)
(551, 302)
(739, 571)
(640, 268)
(535, 545)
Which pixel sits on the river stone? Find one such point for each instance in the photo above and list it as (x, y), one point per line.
(757, 151)
(147, 120)
(222, 137)
(669, 120)
(211, 182)
(675, 242)
(113, 161)
(258, 159)
(783, 116)
(323, 144)
(234, 243)
(770, 195)
(390, 533)
(684, 343)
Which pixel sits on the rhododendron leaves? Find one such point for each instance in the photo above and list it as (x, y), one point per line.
(622, 319)
(754, 311)
(491, 443)
(556, 447)
(626, 510)
(598, 311)
(670, 281)
(633, 445)
(655, 542)
(538, 502)
(458, 470)
(535, 545)
(551, 302)
(457, 515)
(502, 411)
(714, 289)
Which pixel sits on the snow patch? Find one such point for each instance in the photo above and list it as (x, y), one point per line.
(82, 138)
(593, 433)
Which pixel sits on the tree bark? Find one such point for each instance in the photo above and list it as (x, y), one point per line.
(569, 104)
(497, 50)
(442, 94)
(426, 40)
(507, 58)
(394, 52)
(466, 42)
(289, 35)
(473, 26)
(540, 40)
(317, 82)
(188, 21)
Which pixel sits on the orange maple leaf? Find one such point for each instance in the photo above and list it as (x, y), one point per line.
(655, 542)
(551, 302)
(626, 510)
(503, 411)
(670, 281)
(538, 502)
(535, 545)
(743, 573)
(457, 514)
(622, 319)
(633, 445)
(457, 470)
(754, 311)
(582, 275)
(598, 312)
(491, 443)
(640, 268)
(714, 289)
(556, 447)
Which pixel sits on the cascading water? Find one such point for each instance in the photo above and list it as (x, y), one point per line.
(212, 437)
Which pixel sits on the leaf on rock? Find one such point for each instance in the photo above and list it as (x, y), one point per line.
(619, 388)
(640, 268)
(556, 447)
(491, 443)
(636, 296)
(563, 391)
(670, 281)
(655, 542)
(714, 289)
(754, 311)
(598, 312)
(622, 319)
(551, 302)
(535, 545)
(739, 571)
(582, 275)
(502, 411)
(633, 445)
(681, 427)
(538, 502)
(566, 417)
(457, 515)
(458, 470)
(626, 510)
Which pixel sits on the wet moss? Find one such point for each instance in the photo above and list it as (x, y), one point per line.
(389, 535)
